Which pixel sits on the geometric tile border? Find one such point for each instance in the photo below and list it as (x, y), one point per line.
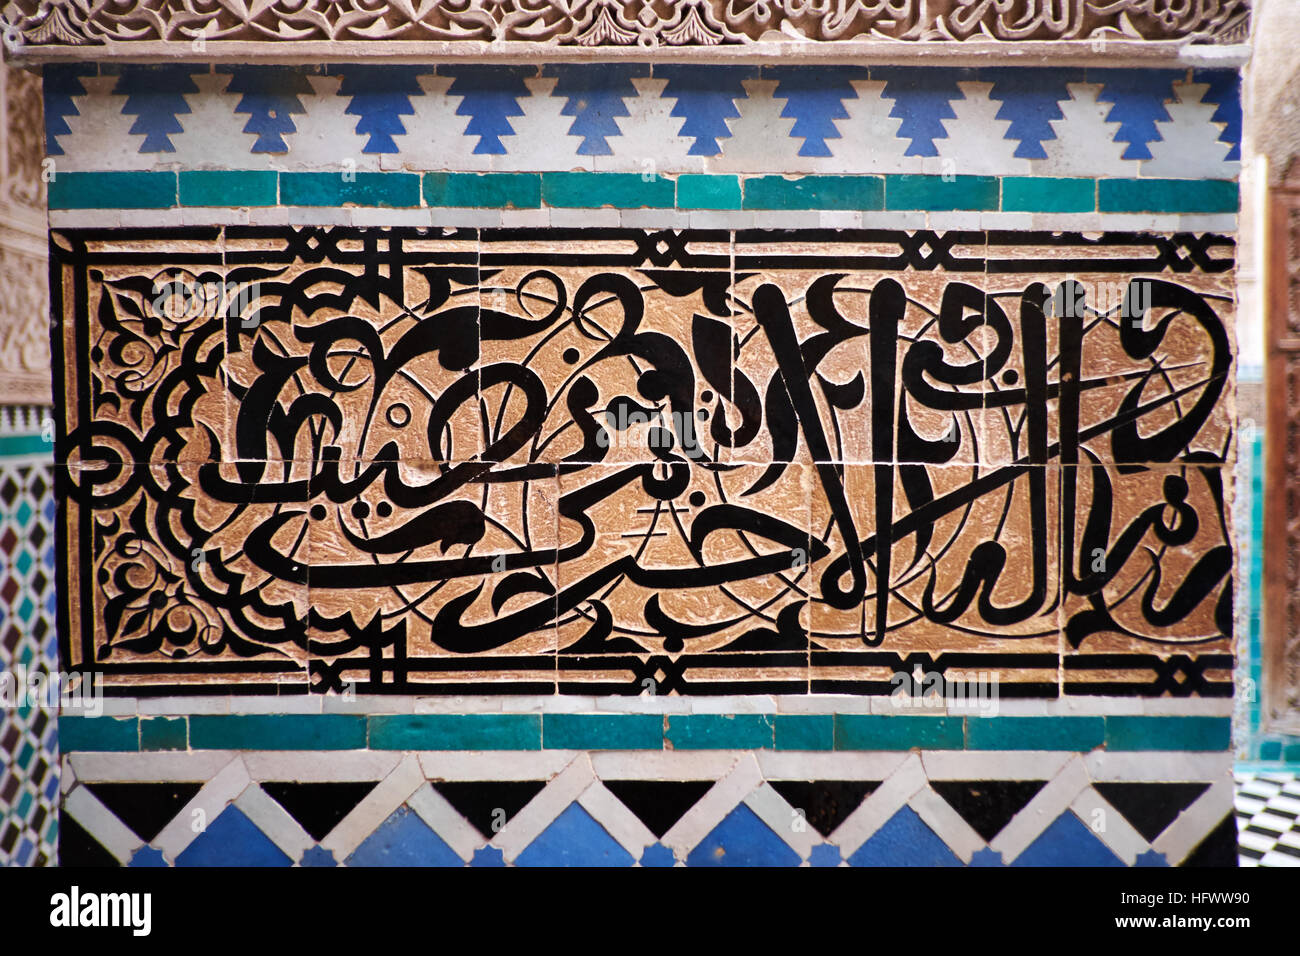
(672, 808)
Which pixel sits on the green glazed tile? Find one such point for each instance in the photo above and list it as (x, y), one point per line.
(1079, 734)
(594, 190)
(935, 193)
(805, 732)
(696, 191)
(720, 731)
(233, 188)
(163, 733)
(1168, 733)
(456, 732)
(113, 190)
(98, 733)
(277, 732)
(483, 190)
(897, 732)
(397, 190)
(1166, 195)
(815, 192)
(602, 732)
(1048, 194)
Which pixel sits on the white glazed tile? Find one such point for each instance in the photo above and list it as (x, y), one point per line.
(619, 822)
(1188, 706)
(1109, 825)
(1189, 146)
(183, 705)
(436, 137)
(1037, 815)
(101, 823)
(365, 216)
(213, 216)
(220, 791)
(654, 219)
(839, 219)
(1195, 823)
(525, 218)
(542, 141)
(663, 765)
(869, 140)
(993, 764)
(83, 218)
(465, 217)
(1085, 142)
(360, 704)
(273, 820)
(310, 766)
(784, 765)
(722, 219)
(651, 139)
(976, 144)
(646, 704)
(163, 766)
(712, 808)
(458, 705)
(604, 217)
(1156, 765)
(893, 220)
(494, 765)
(446, 821)
(881, 804)
(946, 823)
(783, 820)
(326, 139)
(529, 823)
(1205, 222)
(296, 704)
(734, 705)
(783, 218)
(760, 140)
(376, 807)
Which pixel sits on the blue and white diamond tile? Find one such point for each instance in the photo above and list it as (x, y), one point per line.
(704, 809)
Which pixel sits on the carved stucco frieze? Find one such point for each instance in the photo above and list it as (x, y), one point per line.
(30, 24)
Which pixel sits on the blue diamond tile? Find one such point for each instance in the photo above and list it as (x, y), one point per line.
(232, 840)
(404, 840)
(1151, 858)
(656, 854)
(904, 840)
(1067, 842)
(574, 839)
(742, 839)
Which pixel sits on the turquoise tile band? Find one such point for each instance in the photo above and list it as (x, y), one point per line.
(791, 732)
(686, 192)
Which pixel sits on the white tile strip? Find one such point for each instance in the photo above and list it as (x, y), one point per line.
(527, 825)
(272, 819)
(619, 822)
(101, 823)
(446, 821)
(204, 807)
(375, 808)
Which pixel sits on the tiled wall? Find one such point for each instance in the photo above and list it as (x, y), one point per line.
(581, 463)
(29, 750)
